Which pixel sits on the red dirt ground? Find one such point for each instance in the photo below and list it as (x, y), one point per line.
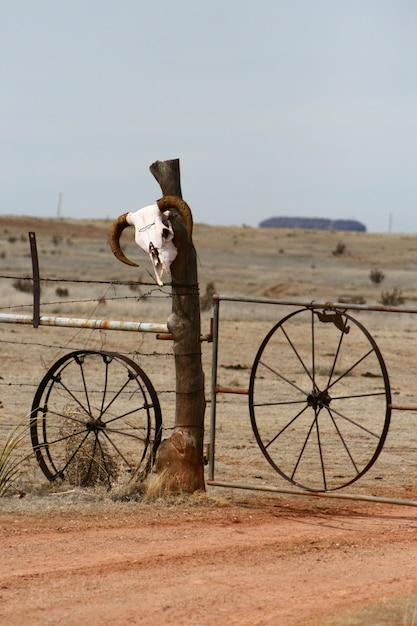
(250, 562)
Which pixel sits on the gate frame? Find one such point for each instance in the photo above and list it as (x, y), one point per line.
(215, 389)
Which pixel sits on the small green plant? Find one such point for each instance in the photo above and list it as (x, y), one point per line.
(376, 276)
(340, 249)
(10, 460)
(392, 298)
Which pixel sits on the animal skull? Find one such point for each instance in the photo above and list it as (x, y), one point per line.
(153, 233)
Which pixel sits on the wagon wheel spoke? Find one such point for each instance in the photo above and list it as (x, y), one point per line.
(124, 432)
(280, 432)
(343, 334)
(280, 403)
(355, 423)
(106, 375)
(76, 450)
(115, 397)
(127, 414)
(118, 451)
(320, 408)
(342, 439)
(375, 394)
(104, 460)
(63, 438)
(71, 394)
(282, 377)
(80, 361)
(350, 369)
(322, 464)
(304, 444)
(310, 374)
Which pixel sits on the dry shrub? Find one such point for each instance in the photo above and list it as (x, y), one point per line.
(376, 276)
(92, 461)
(392, 298)
(24, 285)
(62, 292)
(340, 249)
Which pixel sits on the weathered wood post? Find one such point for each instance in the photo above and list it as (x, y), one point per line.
(180, 458)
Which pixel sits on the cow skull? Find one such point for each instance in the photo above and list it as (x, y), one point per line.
(153, 233)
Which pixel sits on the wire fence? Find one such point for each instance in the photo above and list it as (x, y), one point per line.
(27, 353)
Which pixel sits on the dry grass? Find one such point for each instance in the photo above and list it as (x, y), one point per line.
(400, 611)
(161, 485)
(12, 458)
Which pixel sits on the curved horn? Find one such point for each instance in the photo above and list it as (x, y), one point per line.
(117, 228)
(174, 202)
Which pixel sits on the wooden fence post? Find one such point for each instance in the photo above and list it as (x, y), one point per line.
(180, 458)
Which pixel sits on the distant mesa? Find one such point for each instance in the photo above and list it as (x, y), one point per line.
(317, 223)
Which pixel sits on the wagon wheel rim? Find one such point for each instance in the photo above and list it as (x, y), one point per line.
(95, 418)
(318, 407)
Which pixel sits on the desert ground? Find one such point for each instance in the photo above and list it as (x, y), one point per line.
(240, 556)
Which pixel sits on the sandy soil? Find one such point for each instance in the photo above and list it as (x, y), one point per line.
(208, 561)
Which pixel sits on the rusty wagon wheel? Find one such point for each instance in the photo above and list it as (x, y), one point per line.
(320, 399)
(95, 419)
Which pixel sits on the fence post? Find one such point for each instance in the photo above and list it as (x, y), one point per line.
(180, 457)
(36, 279)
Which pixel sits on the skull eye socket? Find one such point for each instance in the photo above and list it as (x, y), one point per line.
(165, 233)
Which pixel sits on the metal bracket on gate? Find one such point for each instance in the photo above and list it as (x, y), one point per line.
(336, 318)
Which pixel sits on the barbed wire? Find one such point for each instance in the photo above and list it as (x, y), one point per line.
(155, 292)
(133, 353)
(191, 288)
(99, 299)
(125, 283)
(36, 385)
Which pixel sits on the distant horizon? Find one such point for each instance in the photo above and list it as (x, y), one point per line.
(203, 223)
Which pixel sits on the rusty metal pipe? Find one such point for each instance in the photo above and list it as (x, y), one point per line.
(314, 494)
(76, 322)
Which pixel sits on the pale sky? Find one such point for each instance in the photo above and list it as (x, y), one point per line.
(274, 107)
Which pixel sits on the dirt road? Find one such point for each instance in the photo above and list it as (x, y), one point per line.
(205, 562)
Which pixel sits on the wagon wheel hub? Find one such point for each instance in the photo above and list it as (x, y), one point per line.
(95, 425)
(318, 399)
